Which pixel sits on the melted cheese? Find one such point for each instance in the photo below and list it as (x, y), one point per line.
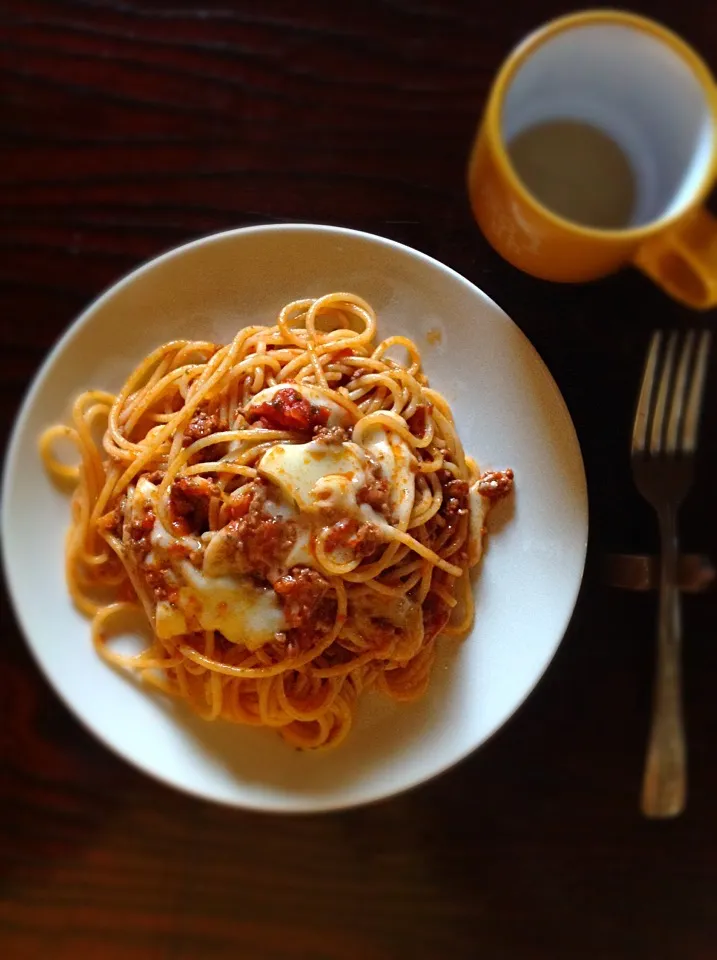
(300, 554)
(309, 474)
(338, 415)
(393, 458)
(140, 499)
(339, 495)
(221, 555)
(161, 538)
(169, 621)
(242, 611)
(320, 482)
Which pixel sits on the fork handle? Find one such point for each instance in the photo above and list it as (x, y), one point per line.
(664, 786)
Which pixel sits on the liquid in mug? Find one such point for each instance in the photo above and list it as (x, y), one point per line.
(577, 171)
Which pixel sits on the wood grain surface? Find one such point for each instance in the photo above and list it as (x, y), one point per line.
(128, 127)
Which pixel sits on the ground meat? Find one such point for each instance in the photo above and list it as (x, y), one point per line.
(363, 539)
(189, 503)
(435, 616)
(375, 492)
(455, 498)
(261, 543)
(253, 541)
(330, 434)
(324, 615)
(202, 425)
(157, 579)
(139, 531)
(180, 551)
(186, 492)
(300, 591)
(212, 451)
(289, 410)
(321, 620)
(417, 423)
(340, 533)
(495, 484)
(155, 477)
(367, 540)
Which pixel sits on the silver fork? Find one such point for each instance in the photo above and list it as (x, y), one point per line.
(664, 440)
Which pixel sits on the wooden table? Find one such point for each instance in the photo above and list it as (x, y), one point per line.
(129, 127)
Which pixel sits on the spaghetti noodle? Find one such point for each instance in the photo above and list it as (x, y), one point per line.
(292, 512)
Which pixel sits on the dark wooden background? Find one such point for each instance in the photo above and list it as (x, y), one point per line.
(127, 127)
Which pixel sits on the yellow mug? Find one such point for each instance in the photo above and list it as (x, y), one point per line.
(644, 87)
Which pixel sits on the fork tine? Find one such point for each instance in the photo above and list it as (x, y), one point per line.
(679, 394)
(694, 403)
(663, 393)
(644, 403)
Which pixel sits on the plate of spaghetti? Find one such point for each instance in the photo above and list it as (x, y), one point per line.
(264, 469)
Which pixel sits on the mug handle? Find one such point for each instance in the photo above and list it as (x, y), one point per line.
(683, 260)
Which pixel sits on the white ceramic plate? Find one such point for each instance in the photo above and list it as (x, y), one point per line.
(509, 413)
